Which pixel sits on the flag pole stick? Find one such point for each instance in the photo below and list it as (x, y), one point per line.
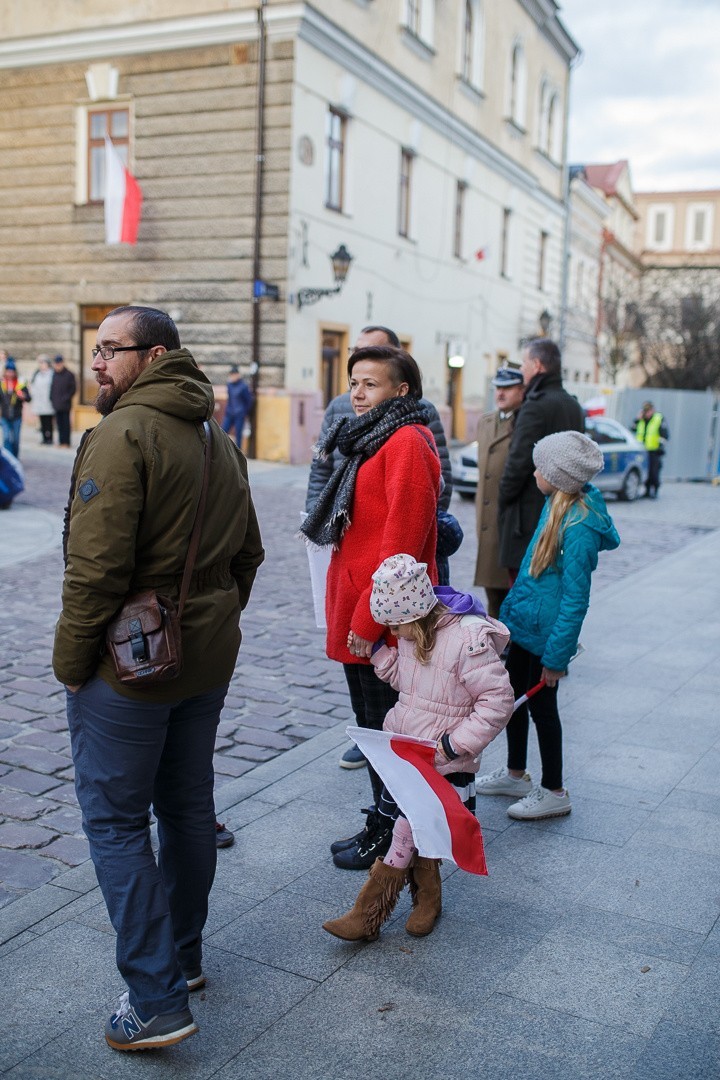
(538, 686)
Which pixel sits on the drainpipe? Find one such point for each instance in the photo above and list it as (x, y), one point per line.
(567, 223)
(600, 315)
(259, 168)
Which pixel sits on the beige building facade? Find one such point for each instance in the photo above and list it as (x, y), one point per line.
(426, 139)
(619, 274)
(678, 228)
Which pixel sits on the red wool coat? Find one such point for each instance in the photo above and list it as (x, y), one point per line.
(394, 510)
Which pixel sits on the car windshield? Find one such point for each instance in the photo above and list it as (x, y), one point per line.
(604, 431)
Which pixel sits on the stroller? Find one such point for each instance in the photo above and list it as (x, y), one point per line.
(12, 481)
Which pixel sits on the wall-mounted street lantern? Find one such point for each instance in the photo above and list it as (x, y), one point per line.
(341, 260)
(545, 319)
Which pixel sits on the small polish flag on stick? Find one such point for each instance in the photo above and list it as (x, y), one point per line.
(123, 200)
(442, 826)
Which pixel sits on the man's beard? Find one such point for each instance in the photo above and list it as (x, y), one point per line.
(107, 398)
(110, 393)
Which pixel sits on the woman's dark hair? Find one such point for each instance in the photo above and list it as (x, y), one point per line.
(403, 368)
(151, 325)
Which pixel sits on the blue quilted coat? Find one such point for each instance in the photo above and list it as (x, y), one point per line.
(545, 614)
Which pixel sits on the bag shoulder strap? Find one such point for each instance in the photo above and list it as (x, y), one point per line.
(197, 526)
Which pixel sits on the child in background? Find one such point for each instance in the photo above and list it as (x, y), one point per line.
(453, 689)
(544, 612)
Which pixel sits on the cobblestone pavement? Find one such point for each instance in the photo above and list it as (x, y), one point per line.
(284, 689)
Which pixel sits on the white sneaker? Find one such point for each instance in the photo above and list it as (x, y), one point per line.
(501, 782)
(540, 803)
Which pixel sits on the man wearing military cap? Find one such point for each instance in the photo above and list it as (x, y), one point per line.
(494, 431)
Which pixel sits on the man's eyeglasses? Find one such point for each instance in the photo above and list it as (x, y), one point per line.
(108, 351)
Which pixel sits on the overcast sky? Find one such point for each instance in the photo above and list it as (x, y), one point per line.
(647, 88)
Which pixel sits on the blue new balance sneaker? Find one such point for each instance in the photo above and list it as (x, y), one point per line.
(126, 1031)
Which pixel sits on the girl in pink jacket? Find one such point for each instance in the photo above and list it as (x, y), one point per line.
(453, 688)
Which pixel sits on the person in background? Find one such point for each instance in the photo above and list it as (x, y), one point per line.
(239, 403)
(547, 408)
(13, 395)
(41, 384)
(62, 393)
(652, 431)
(321, 470)
(493, 438)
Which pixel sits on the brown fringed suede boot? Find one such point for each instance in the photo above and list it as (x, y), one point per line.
(374, 905)
(426, 892)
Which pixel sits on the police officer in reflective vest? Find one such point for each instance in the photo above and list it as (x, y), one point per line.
(652, 431)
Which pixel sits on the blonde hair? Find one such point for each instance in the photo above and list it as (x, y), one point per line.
(424, 632)
(548, 545)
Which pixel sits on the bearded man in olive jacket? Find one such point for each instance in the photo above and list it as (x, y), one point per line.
(134, 494)
(547, 409)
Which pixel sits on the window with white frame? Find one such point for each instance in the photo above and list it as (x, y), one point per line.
(549, 139)
(418, 18)
(580, 284)
(660, 224)
(335, 131)
(553, 127)
(698, 226)
(517, 91)
(93, 124)
(471, 43)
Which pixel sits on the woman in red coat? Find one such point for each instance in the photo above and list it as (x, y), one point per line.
(381, 499)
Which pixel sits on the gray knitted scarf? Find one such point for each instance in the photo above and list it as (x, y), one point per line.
(358, 438)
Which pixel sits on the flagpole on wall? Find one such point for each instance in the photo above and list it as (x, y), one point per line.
(259, 170)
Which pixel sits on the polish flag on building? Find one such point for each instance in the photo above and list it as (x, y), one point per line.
(442, 826)
(123, 200)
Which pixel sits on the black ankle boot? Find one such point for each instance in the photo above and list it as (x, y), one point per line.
(351, 841)
(374, 845)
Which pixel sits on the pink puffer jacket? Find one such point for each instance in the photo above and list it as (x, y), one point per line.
(463, 689)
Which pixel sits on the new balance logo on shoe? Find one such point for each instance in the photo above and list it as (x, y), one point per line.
(131, 1026)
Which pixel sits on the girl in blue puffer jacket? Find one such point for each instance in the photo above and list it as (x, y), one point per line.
(544, 612)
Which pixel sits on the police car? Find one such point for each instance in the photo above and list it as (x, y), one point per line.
(624, 473)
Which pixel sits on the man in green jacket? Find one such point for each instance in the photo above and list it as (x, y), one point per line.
(135, 489)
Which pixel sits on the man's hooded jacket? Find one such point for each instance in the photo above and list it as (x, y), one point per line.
(135, 489)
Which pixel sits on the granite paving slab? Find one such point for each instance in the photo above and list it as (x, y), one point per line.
(242, 999)
(696, 1004)
(634, 934)
(677, 1053)
(662, 884)
(614, 986)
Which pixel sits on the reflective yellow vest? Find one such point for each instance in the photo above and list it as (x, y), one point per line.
(648, 432)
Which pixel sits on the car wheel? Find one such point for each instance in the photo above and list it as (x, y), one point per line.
(631, 486)
(469, 495)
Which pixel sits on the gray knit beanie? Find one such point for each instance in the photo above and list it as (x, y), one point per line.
(568, 460)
